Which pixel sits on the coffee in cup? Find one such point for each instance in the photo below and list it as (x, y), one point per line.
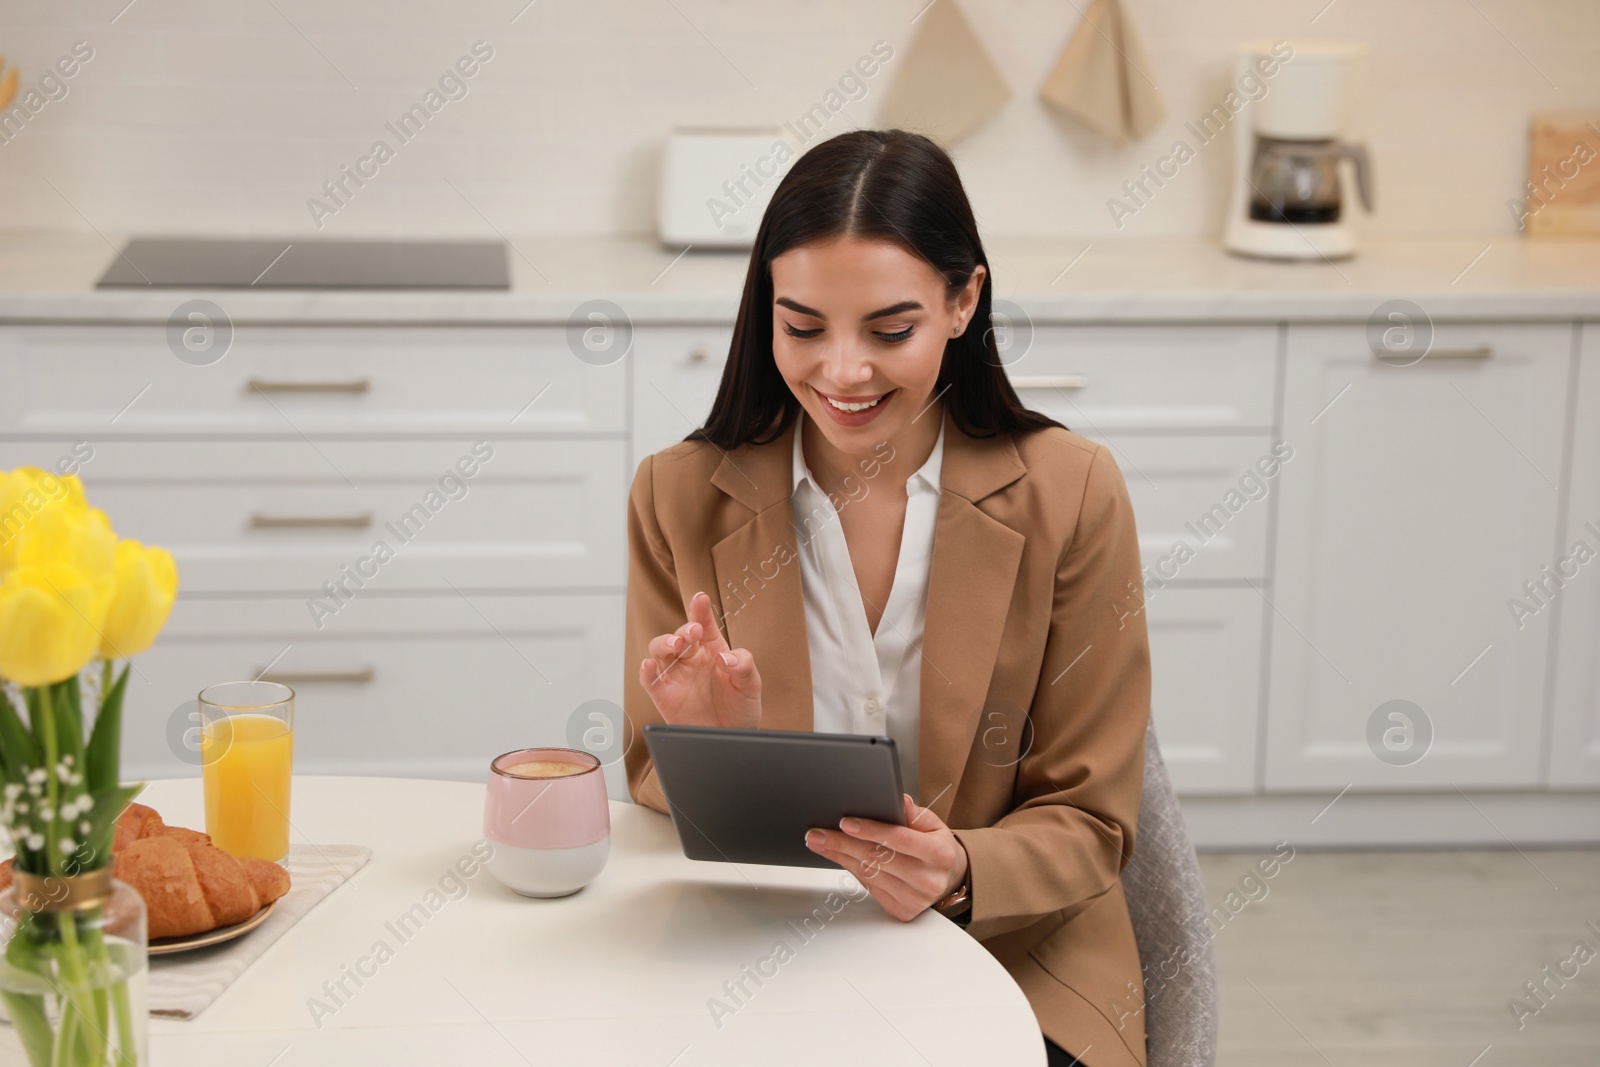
(548, 816)
(543, 768)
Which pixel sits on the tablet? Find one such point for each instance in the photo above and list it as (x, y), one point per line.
(749, 796)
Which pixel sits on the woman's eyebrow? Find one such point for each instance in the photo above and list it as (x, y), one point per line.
(892, 309)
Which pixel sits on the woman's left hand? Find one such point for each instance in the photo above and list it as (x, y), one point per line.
(908, 868)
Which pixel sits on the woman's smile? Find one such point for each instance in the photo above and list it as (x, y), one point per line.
(857, 409)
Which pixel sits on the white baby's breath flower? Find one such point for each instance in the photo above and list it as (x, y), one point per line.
(68, 845)
(47, 813)
(84, 827)
(67, 759)
(36, 776)
(36, 841)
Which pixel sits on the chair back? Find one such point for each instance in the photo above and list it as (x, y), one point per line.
(1167, 902)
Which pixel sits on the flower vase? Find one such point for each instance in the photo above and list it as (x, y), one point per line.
(73, 968)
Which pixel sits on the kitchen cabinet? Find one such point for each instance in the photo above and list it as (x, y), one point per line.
(1420, 498)
(1187, 411)
(1201, 504)
(1190, 378)
(489, 465)
(279, 495)
(1356, 530)
(410, 685)
(1205, 685)
(1203, 546)
(677, 371)
(307, 382)
(1575, 590)
(1188, 406)
(287, 515)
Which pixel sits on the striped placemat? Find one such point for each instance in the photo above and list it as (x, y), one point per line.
(184, 984)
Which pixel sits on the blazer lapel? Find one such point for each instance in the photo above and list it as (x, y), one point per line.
(970, 582)
(758, 580)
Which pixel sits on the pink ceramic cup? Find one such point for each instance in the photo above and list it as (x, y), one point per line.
(551, 836)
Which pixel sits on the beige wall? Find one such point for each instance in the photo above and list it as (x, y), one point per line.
(227, 115)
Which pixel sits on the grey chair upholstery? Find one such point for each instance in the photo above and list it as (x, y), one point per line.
(1167, 902)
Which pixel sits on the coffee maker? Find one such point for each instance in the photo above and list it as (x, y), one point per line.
(1288, 199)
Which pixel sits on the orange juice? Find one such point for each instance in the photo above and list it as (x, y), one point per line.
(246, 762)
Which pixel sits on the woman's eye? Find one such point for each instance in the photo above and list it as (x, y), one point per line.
(890, 338)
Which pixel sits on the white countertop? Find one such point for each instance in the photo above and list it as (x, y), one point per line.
(50, 278)
(619, 973)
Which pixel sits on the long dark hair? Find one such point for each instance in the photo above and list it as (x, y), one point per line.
(887, 185)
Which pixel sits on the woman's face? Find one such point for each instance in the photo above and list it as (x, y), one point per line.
(858, 331)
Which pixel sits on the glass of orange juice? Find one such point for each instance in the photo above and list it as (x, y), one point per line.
(246, 758)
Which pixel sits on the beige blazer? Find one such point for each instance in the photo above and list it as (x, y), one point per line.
(1035, 684)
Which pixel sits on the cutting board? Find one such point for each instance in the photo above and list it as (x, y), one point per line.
(1564, 175)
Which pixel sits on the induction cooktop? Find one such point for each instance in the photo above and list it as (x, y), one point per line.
(306, 263)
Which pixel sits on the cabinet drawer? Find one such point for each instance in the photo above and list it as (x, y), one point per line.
(678, 369)
(423, 687)
(293, 381)
(1200, 503)
(290, 516)
(1100, 379)
(1205, 685)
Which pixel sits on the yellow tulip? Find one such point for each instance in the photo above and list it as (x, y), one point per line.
(56, 536)
(50, 619)
(28, 492)
(147, 584)
(55, 594)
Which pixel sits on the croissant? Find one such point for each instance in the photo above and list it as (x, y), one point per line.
(188, 884)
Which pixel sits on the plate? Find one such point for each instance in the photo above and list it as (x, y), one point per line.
(166, 946)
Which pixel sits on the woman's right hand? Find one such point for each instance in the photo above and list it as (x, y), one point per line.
(695, 679)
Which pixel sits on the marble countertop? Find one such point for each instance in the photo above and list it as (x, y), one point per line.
(50, 278)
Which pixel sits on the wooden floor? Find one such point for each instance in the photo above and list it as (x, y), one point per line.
(1409, 959)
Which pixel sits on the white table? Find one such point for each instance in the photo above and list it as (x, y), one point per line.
(620, 973)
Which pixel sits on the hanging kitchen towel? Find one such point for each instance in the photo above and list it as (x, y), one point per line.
(1103, 78)
(948, 85)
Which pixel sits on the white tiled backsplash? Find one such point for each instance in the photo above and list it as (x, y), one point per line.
(229, 115)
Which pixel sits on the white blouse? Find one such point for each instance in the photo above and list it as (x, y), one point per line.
(861, 682)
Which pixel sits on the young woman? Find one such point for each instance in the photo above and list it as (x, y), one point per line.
(871, 534)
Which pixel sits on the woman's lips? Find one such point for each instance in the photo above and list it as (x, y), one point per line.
(858, 417)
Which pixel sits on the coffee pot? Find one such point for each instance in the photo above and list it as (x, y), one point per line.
(1298, 181)
(1289, 198)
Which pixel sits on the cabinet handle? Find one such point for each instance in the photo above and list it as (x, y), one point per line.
(353, 385)
(260, 521)
(360, 676)
(1050, 381)
(1479, 352)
